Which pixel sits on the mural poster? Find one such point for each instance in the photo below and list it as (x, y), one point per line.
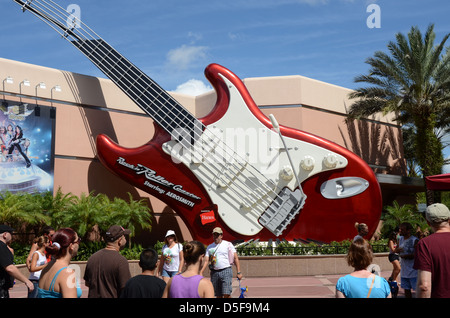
(27, 147)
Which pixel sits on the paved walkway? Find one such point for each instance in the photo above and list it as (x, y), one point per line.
(319, 286)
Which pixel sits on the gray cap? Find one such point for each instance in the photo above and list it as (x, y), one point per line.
(437, 213)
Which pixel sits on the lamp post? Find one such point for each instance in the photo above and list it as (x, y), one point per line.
(41, 85)
(37, 109)
(24, 83)
(7, 80)
(55, 88)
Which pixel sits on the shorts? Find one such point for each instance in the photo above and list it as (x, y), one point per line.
(393, 257)
(168, 273)
(222, 280)
(34, 293)
(409, 282)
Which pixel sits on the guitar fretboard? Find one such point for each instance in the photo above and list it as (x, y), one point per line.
(145, 92)
(148, 95)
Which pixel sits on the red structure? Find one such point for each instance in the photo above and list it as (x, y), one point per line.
(439, 182)
(281, 182)
(333, 199)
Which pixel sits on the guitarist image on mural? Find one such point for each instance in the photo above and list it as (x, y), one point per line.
(15, 143)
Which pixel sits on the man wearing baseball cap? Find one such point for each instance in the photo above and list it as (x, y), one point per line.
(220, 255)
(107, 271)
(432, 257)
(8, 271)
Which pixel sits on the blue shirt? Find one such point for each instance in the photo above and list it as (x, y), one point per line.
(356, 287)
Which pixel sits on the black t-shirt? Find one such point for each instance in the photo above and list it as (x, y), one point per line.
(143, 286)
(6, 259)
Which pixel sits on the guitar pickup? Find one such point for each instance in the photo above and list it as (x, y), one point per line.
(282, 210)
(344, 187)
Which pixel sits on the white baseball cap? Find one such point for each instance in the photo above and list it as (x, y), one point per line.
(170, 232)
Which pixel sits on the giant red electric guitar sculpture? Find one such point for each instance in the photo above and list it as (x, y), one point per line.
(282, 182)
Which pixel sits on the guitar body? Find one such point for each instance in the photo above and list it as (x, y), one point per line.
(234, 168)
(339, 187)
(230, 168)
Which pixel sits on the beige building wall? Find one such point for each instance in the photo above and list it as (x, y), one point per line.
(88, 106)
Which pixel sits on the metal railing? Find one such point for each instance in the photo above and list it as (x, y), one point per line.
(284, 249)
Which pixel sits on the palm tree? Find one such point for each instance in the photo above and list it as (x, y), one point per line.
(56, 206)
(413, 82)
(133, 215)
(85, 213)
(397, 214)
(21, 210)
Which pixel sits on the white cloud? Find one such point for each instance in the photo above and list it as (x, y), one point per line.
(446, 168)
(235, 36)
(183, 57)
(194, 37)
(193, 87)
(314, 2)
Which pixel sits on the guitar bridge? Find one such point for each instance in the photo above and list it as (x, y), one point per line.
(282, 210)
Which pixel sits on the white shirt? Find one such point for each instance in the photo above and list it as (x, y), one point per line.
(41, 261)
(221, 255)
(407, 269)
(172, 257)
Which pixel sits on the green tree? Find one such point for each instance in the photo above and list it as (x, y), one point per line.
(56, 206)
(413, 82)
(84, 213)
(133, 215)
(94, 214)
(21, 210)
(395, 215)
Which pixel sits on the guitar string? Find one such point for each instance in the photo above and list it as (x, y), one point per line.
(130, 67)
(126, 72)
(120, 80)
(256, 199)
(261, 198)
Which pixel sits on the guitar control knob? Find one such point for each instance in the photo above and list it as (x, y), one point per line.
(330, 160)
(308, 163)
(286, 173)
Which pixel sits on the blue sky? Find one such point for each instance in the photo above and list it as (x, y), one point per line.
(174, 40)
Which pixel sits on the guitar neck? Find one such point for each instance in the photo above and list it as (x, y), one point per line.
(145, 92)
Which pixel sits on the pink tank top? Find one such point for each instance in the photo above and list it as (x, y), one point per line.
(185, 287)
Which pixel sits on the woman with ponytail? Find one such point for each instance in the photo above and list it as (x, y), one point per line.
(189, 284)
(38, 263)
(362, 229)
(57, 279)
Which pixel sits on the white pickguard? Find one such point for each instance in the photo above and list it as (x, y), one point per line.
(243, 165)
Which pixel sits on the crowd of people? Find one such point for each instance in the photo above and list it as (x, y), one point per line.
(421, 264)
(179, 271)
